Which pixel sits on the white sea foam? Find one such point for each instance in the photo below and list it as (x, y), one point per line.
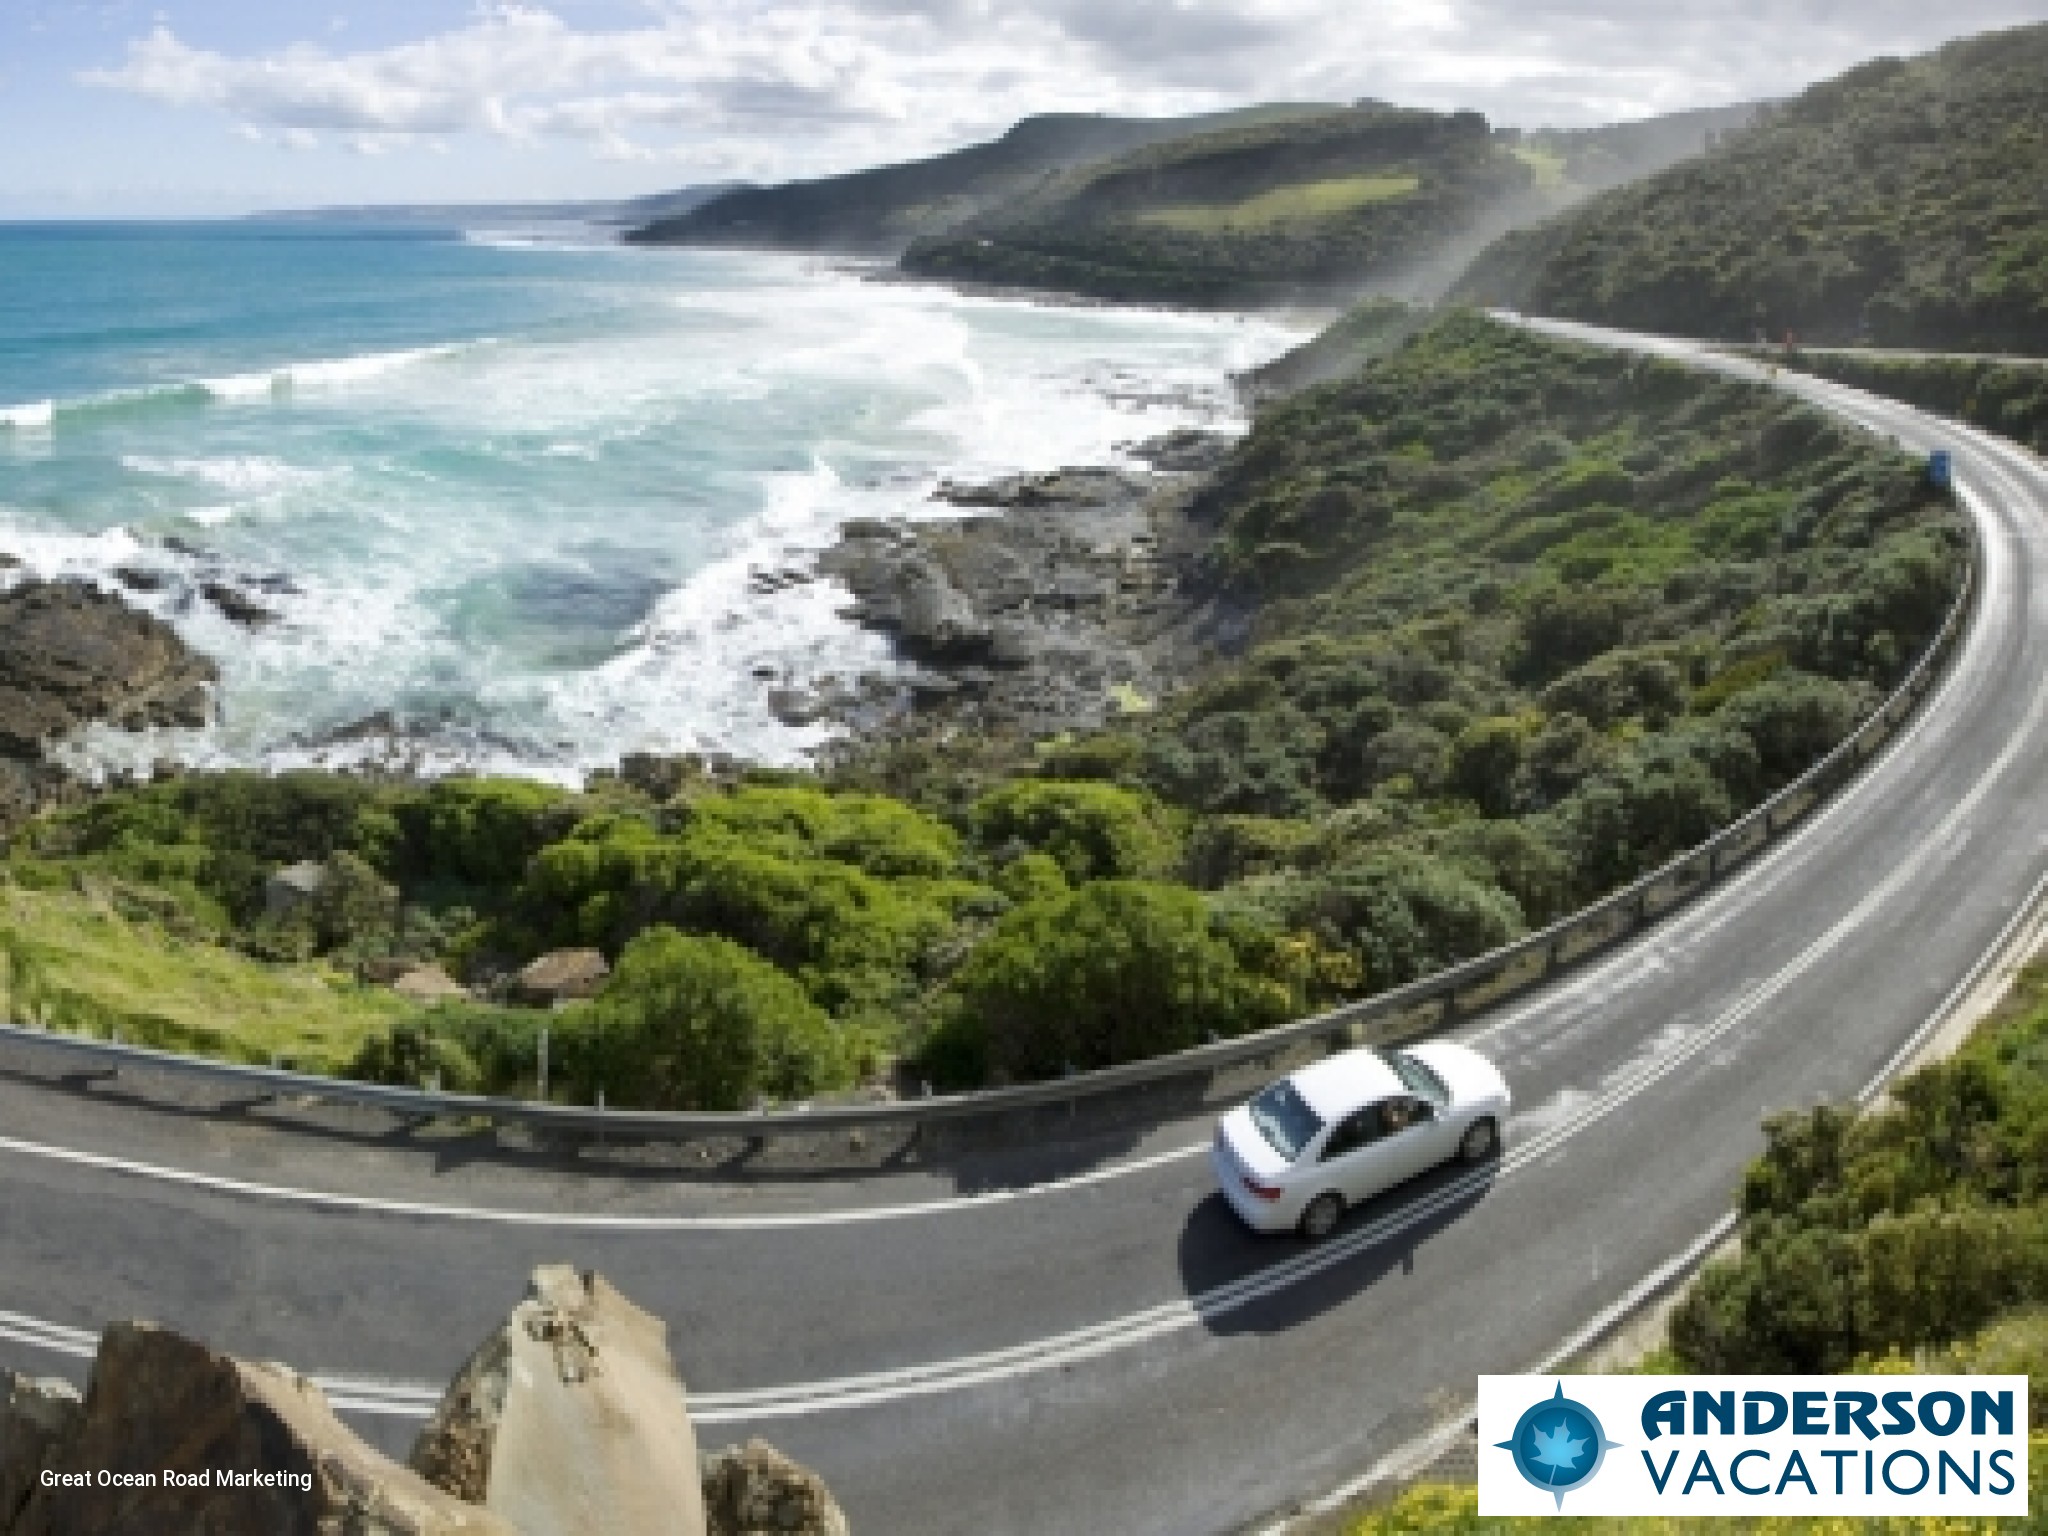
(330, 372)
(35, 416)
(238, 476)
(477, 535)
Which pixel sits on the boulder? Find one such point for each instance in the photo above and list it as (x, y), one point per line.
(569, 1419)
(429, 984)
(161, 1403)
(294, 887)
(755, 1490)
(237, 607)
(561, 976)
(36, 1416)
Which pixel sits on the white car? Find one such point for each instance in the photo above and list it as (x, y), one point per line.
(1351, 1125)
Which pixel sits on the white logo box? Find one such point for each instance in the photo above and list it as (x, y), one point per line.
(1866, 1445)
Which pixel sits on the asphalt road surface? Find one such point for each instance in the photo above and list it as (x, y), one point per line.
(1117, 1353)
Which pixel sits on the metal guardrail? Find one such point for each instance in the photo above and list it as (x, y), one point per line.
(1419, 1008)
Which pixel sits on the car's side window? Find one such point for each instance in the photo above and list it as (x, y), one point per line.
(1402, 1111)
(1351, 1134)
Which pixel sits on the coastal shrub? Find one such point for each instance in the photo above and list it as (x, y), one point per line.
(1115, 971)
(772, 869)
(1900, 1228)
(1794, 719)
(1095, 831)
(482, 831)
(1399, 913)
(692, 1021)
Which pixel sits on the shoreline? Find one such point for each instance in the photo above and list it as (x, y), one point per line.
(166, 576)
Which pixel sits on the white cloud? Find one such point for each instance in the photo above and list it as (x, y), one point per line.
(780, 87)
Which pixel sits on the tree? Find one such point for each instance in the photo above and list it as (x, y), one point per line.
(1096, 831)
(1118, 970)
(689, 1021)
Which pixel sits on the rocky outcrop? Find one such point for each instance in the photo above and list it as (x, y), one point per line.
(1058, 606)
(160, 1403)
(36, 1417)
(560, 976)
(570, 1419)
(755, 1490)
(70, 654)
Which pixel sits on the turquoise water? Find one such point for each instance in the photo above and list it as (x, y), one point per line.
(513, 491)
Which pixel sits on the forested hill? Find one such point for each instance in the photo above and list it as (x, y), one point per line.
(880, 211)
(1904, 203)
(1247, 213)
(1372, 198)
(1232, 207)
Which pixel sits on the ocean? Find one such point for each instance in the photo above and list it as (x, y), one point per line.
(522, 499)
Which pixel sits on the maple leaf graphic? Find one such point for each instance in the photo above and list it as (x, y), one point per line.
(1559, 1448)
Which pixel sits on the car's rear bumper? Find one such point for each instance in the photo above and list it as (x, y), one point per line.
(1260, 1215)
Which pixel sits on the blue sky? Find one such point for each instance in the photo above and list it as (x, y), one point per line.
(124, 107)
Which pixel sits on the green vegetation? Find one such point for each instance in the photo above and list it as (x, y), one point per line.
(1363, 334)
(109, 959)
(1253, 211)
(881, 211)
(1898, 1230)
(1897, 203)
(1453, 1510)
(1524, 620)
(2007, 398)
(1281, 205)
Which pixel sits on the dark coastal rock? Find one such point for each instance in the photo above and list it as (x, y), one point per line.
(139, 579)
(70, 654)
(237, 606)
(1062, 610)
(1189, 450)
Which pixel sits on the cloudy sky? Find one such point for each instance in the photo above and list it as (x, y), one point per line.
(204, 106)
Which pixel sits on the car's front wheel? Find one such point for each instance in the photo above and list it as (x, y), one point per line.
(1480, 1141)
(1322, 1216)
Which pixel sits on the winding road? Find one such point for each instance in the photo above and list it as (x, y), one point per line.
(1113, 1352)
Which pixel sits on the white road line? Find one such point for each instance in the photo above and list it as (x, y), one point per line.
(583, 1220)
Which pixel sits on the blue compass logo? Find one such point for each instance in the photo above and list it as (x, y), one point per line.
(1558, 1445)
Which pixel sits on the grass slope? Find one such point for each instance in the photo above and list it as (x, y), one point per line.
(77, 961)
(1900, 203)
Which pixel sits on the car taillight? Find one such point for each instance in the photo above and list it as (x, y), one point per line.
(1263, 1191)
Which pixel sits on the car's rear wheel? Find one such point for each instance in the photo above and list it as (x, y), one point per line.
(1480, 1141)
(1322, 1216)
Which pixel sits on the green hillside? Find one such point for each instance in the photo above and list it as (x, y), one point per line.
(879, 212)
(1304, 207)
(1902, 203)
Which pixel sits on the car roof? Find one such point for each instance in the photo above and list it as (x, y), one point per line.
(1337, 1085)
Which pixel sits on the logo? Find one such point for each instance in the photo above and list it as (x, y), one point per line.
(1558, 1445)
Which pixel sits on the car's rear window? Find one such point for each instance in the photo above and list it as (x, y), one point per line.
(1284, 1119)
(1418, 1078)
